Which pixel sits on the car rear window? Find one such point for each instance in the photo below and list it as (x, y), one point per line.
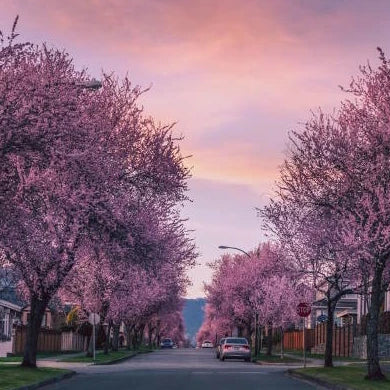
(236, 341)
(167, 341)
(207, 341)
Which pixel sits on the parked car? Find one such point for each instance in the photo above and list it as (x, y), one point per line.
(207, 344)
(218, 348)
(235, 348)
(166, 343)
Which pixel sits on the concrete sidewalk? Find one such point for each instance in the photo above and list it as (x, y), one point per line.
(315, 362)
(59, 357)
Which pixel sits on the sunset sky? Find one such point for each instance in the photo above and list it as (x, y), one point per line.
(236, 75)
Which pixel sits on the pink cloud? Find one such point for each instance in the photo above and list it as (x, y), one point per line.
(236, 75)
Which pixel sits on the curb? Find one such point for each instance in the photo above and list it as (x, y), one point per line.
(292, 364)
(48, 381)
(317, 381)
(119, 360)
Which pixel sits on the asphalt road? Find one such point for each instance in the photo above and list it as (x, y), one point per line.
(180, 370)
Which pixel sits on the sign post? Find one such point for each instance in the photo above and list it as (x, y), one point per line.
(304, 310)
(94, 319)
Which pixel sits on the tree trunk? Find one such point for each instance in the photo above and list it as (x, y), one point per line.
(107, 340)
(150, 335)
(90, 347)
(134, 339)
(158, 334)
(281, 343)
(328, 362)
(256, 334)
(249, 335)
(377, 296)
(141, 335)
(269, 344)
(129, 330)
(38, 307)
(115, 340)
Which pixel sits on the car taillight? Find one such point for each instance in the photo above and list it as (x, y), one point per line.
(245, 346)
(227, 346)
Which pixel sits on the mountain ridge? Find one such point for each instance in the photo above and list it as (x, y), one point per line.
(193, 314)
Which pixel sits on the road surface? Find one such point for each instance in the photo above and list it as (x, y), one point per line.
(180, 369)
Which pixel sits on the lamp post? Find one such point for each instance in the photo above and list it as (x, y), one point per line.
(232, 247)
(256, 314)
(91, 84)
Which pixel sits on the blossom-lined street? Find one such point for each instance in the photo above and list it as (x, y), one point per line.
(190, 369)
(194, 194)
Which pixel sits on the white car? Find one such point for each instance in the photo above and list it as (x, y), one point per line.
(207, 344)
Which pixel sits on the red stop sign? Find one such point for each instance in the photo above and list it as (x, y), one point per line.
(303, 309)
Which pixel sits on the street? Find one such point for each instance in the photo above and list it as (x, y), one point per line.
(179, 369)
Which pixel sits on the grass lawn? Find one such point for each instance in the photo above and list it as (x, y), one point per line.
(12, 377)
(352, 377)
(276, 359)
(17, 359)
(100, 357)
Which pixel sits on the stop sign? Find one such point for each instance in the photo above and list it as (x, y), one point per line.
(303, 309)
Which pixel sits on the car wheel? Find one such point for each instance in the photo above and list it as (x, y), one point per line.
(247, 359)
(222, 358)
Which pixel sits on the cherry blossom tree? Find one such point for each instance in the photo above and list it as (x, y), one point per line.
(241, 290)
(337, 173)
(277, 302)
(313, 240)
(77, 165)
(47, 133)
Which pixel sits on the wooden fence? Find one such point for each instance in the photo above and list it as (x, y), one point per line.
(294, 339)
(342, 339)
(48, 340)
(73, 342)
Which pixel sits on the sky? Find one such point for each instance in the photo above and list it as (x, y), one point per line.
(236, 76)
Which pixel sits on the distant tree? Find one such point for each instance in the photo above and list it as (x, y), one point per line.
(245, 287)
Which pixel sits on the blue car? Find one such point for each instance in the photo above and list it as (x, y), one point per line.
(166, 343)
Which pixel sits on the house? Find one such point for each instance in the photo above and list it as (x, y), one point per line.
(47, 320)
(363, 304)
(16, 311)
(11, 308)
(345, 313)
(10, 314)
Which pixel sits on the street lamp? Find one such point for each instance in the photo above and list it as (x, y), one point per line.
(91, 84)
(232, 247)
(256, 314)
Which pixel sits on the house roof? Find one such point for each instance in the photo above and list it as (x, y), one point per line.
(10, 295)
(341, 304)
(346, 312)
(10, 305)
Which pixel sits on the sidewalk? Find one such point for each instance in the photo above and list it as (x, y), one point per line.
(315, 362)
(59, 357)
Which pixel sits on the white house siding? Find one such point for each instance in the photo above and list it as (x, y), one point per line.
(363, 303)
